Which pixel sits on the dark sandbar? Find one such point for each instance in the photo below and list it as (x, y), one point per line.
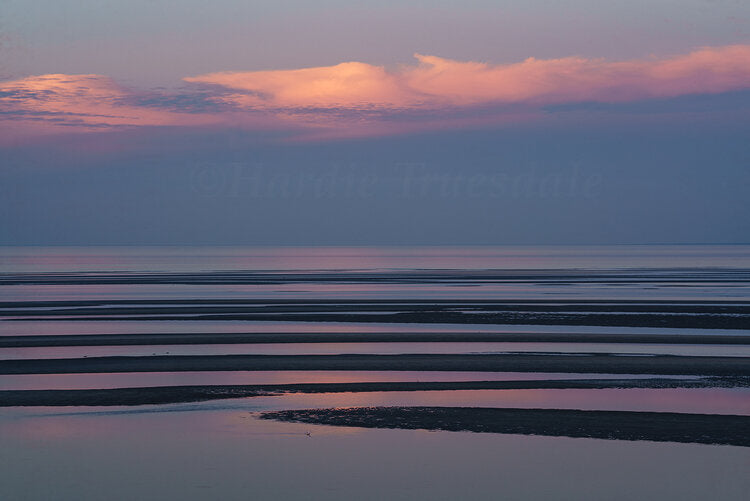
(675, 314)
(362, 337)
(611, 425)
(685, 305)
(575, 363)
(669, 320)
(554, 276)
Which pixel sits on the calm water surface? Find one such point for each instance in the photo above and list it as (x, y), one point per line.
(199, 452)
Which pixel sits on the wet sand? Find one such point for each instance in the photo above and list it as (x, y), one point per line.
(363, 337)
(198, 306)
(609, 425)
(175, 394)
(627, 313)
(669, 320)
(578, 363)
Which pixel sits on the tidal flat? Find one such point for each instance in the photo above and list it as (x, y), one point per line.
(234, 372)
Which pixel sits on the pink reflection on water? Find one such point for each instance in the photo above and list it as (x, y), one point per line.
(124, 291)
(149, 379)
(376, 348)
(687, 400)
(177, 259)
(73, 327)
(364, 290)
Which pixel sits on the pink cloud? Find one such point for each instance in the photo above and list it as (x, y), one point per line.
(343, 85)
(437, 82)
(359, 99)
(48, 104)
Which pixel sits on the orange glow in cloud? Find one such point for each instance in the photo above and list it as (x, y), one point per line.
(437, 82)
(359, 99)
(351, 84)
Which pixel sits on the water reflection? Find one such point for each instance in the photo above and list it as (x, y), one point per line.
(371, 348)
(74, 327)
(686, 290)
(688, 400)
(229, 455)
(174, 258)
(151, 379)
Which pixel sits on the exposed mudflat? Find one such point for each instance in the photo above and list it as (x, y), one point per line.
(577, 363)
(610, 425)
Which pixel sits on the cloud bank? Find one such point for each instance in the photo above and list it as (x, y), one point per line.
(355, 98)
(438, 82)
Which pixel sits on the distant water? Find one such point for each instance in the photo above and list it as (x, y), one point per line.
(205, 259)
(594, 272)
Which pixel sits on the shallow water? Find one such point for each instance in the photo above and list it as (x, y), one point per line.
(666, 290)
(150, 379)
(668, 272)
(74, 327)
(690, 400)
(176, 258)
(202, 452)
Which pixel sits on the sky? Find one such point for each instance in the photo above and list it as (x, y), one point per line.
(440, 122)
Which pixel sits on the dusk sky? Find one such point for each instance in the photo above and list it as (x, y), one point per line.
(365, 123)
